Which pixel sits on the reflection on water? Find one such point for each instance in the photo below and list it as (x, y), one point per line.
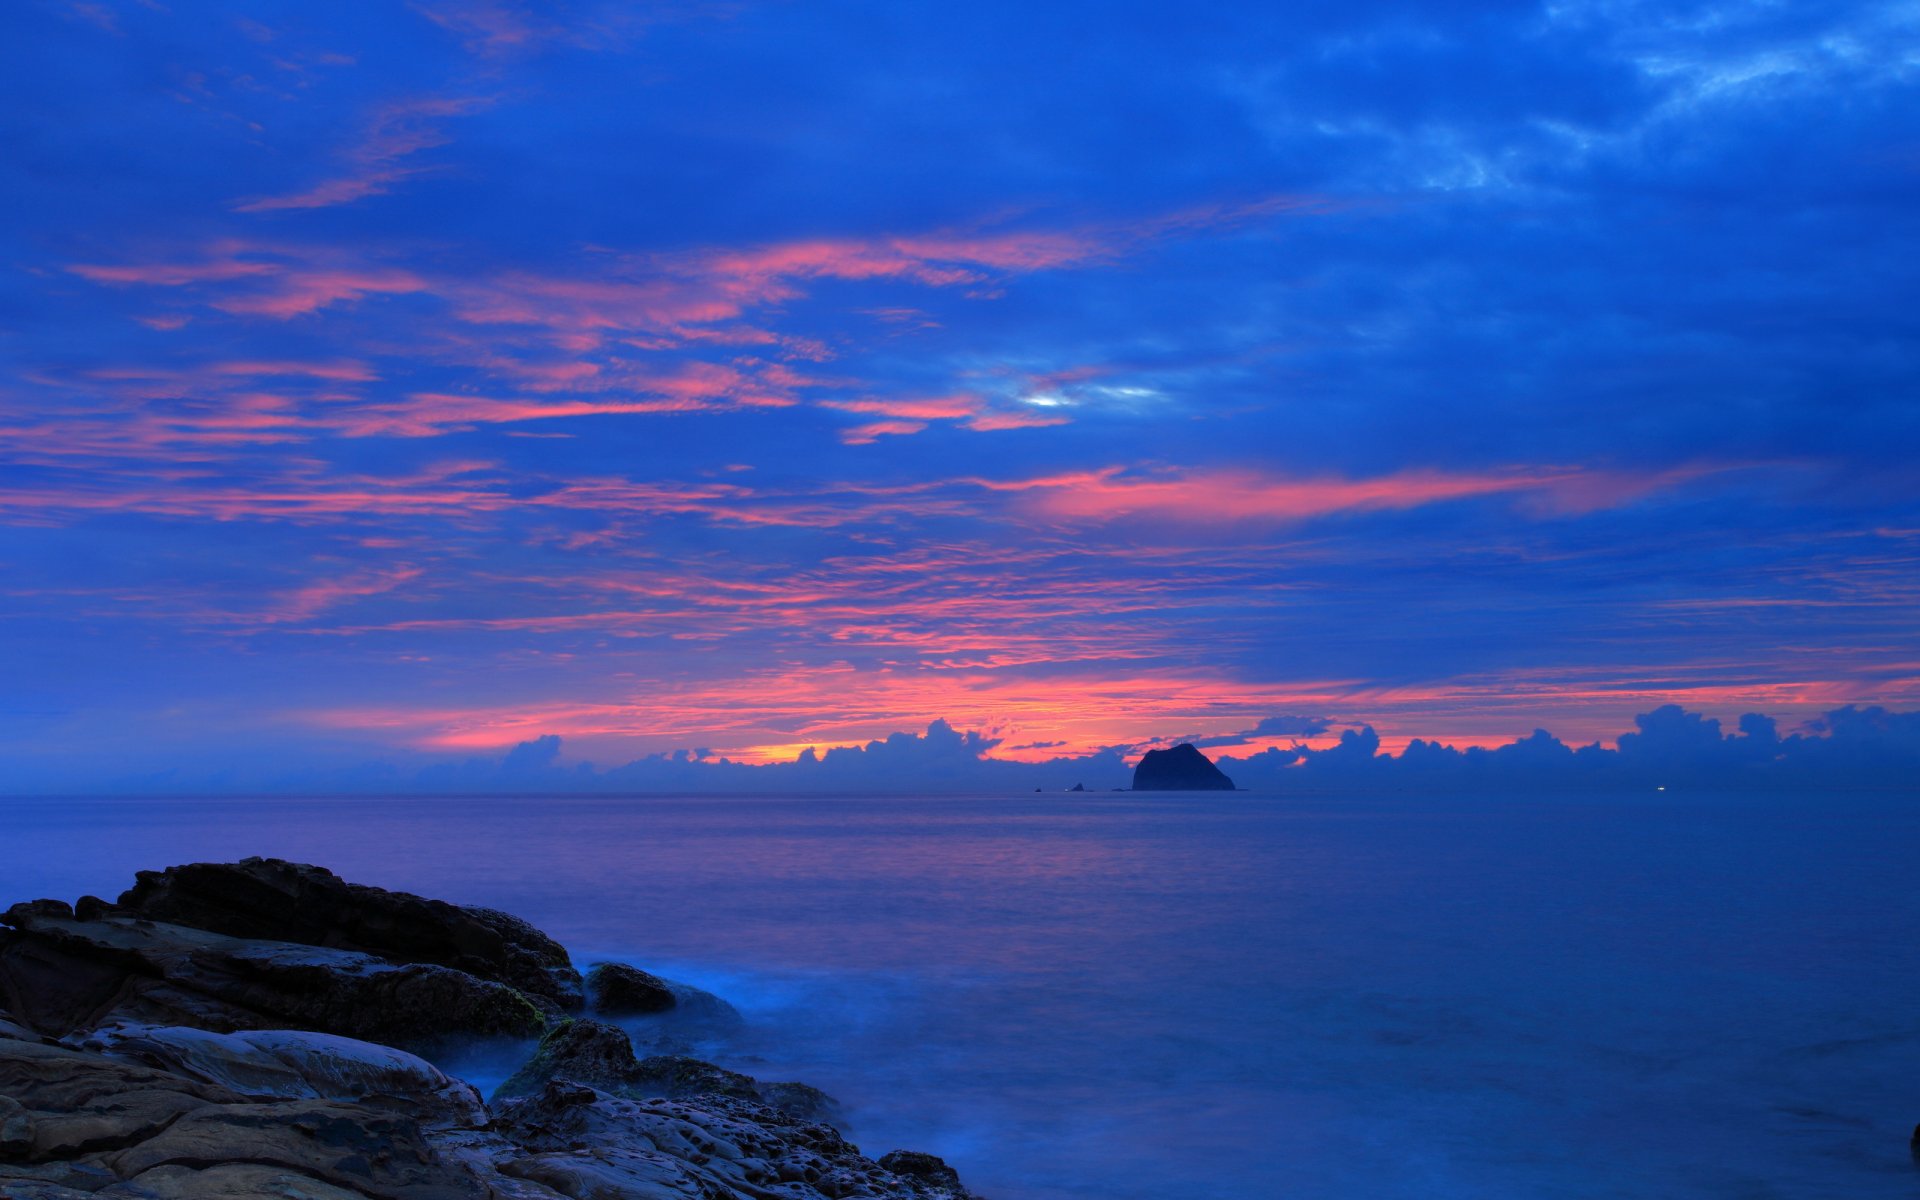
(1233, 997)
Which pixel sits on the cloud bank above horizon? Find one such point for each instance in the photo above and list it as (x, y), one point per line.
(407, 383)
(1847, 749)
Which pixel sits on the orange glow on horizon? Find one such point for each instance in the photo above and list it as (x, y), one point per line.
(838, 707)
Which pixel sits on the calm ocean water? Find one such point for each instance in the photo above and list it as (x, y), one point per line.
(1235, 997)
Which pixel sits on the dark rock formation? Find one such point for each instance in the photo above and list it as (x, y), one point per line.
(585, 1051)
(619, 990)
(269, 899)
(664, 1015)
(60, 976)
(280, 1064)
(102, 1125)
(915, 1165)
(168, 1082)
(601, 1056)
(1181, 769)
(583, 1142)
(700, 1013)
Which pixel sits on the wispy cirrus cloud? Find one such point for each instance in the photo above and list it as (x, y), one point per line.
(276, 281)
(167, 415)
(972, 606)
(220, 263)
(664, 293)
(299, 492)
(488, 27)
(430, 414)
(624, 335)
(149, 382)
(1210, 497)
(340, 370)
(304, 603)
(1228, 495)
(1213, 496)
(382, 159)
(902, 417)
(505, 29)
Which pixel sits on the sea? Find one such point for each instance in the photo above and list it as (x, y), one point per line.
(1211, 996)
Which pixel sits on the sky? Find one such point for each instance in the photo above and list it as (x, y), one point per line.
(404, 383)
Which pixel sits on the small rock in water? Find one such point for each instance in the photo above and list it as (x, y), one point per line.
(619, 990)
(701, 1013)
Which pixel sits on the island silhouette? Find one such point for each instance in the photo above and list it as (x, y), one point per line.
(1181, 768)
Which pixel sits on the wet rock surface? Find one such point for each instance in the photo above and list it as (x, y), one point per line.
(61, 975)
(619, 990)
(270, 899)
(147, 1057)
(662, 1016)
(582, 1138)
(602, 1056)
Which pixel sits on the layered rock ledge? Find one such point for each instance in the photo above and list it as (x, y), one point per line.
(257, 1029)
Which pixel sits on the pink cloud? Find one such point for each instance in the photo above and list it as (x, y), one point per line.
(772, 717)
(496, 29)
(975, 607)
(428, 414)
(866, 435)
(1030, 251)
(571, 305)
(988, 422)
(302, 491)
(931, 408)
(694, 387)
(1239, 495)
(343, 370)
(170, 414)
(670, 293)
(219, 268)
(1212, 496)
(487, 27)
(276, 281)
(900, 315)
(304, 291)
(394, 134)
(310, 600)
(674, 298)
(551, 376)
(912, 415)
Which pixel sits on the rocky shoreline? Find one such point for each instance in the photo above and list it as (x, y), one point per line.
(264, 1029)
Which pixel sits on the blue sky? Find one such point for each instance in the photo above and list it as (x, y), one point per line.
(405, 382)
